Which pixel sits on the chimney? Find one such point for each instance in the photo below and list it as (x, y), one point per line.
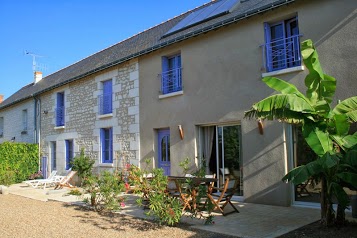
(1, 98)
(38, 77)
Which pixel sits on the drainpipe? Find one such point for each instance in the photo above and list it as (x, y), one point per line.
(37, 126)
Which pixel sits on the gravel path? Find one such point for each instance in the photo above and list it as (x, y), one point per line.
(23, 217)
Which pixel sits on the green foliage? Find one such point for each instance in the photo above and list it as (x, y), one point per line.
(75, 192)
(185, 165)
(17, 162)
(83, 165)
(105, 191)
(163, 208)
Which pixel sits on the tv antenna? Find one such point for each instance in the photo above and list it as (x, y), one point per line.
(34, 63)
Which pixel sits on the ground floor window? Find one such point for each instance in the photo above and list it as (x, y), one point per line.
(106, 139)
(53, 155)
(69, 153)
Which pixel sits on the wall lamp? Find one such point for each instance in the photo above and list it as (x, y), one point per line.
(45, 112)
(260, 127)
(13, 139)
(181, 131)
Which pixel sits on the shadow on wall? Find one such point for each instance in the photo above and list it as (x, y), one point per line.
(277, 194)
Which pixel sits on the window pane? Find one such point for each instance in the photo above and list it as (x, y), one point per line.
(163, 149)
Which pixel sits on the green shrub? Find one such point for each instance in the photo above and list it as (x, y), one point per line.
(163, 208)
(105, 191)
(83, 165)
(17, 162)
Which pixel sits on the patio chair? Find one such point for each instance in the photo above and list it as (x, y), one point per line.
(183, 194)
(35, 183)
(224, 195)
(64, 182)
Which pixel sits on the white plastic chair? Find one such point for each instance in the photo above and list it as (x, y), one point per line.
(35, 183)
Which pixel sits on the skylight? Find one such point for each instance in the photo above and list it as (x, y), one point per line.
(216, 9)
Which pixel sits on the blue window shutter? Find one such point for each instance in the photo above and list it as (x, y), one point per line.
(178, 61)
(67, 154)
(102, 143)
(165, 64)
(164, 75)
(107, 96)
(111, 145)
(178, 85)
(268, 51)
(60, 109)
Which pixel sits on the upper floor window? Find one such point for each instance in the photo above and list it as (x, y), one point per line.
(282, 45)
(106, 141)
(171, 80)
(60, 109)
(105, 100)
(24, 120)
(69, 153)
(1, 126)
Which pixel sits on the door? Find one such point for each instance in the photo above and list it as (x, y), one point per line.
(229, 154)
(164, 151)
(309, 191)
(220, 149)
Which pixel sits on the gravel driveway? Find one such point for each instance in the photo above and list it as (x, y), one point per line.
(24, 217)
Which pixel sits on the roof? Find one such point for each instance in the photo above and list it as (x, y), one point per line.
(140, 44)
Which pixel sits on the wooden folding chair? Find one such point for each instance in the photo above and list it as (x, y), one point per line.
(64, 182)
(184, 196)
(224, 195)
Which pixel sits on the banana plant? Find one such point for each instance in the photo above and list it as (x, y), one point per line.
(324, 129)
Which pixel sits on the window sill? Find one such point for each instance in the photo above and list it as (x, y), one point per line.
(59, 127)
(106, 165)
(284, 71)
(105, 116)
(168, 95)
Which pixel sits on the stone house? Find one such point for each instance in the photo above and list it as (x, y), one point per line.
(179, 90)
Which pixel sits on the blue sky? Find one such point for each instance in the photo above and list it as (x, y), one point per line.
(62, 32)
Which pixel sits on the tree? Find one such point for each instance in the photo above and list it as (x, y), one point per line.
(324, 129)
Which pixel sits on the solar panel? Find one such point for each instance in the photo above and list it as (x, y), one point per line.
(204, 14)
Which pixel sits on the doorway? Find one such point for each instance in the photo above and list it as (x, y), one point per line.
(164, 161)
(221, 151)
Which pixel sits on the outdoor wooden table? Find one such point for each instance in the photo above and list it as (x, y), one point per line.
(194, 182)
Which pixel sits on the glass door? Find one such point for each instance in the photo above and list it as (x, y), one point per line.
(220, 148)
(229, 155)
(309, 191)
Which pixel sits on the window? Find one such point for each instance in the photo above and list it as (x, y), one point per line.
(171, 80)
(1, 127)
(106, 139)
(282, 45)
(60, 109)
(24, 121)
(69, 153)
(53, 155)
(105, 100)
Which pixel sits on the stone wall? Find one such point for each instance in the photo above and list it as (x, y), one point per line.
(83, 122)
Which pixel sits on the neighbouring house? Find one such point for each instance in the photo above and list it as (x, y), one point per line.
(17, 115)
(180, 89)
